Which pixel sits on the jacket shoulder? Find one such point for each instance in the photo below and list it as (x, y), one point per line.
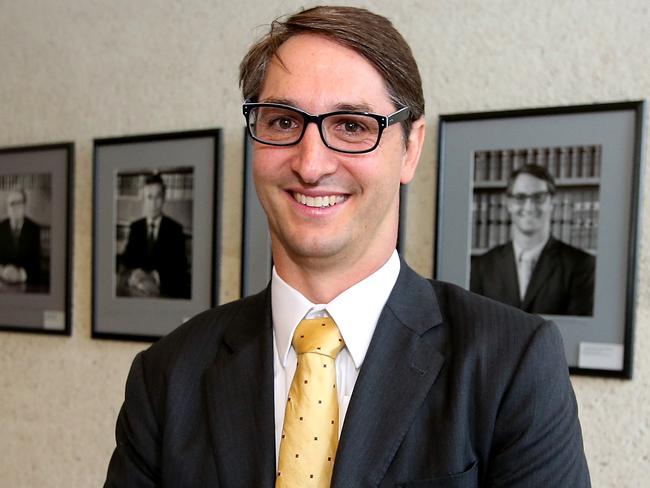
(171, 223)
(478, 317)
(496, 252)
(572, 252)
(27, 222)
(198, 339)
(142, 222)
(487, 336)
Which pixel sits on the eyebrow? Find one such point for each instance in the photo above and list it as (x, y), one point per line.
(351, 107)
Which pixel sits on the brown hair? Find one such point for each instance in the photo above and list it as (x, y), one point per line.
(368, 34)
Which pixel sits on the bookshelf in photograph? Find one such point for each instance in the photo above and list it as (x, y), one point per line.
(576, 170)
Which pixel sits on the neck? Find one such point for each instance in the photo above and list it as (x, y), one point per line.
(529, 241)
(321, 280)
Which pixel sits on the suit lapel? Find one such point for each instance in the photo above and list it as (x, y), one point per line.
(509, 276)
(239, 390)
(402, 363)
(545, 266)
(162, 232)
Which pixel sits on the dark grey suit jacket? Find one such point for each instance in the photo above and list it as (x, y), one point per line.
(562, 282)
(26, 253)
(455, 391)
(167, 257)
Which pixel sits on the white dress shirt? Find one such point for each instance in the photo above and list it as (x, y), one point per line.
(355, 311)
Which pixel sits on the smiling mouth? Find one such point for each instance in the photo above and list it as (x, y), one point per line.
(318, 202)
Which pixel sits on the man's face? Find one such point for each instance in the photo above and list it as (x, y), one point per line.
(15, 206)
(528, 216)
(321, 76)
(153, 200)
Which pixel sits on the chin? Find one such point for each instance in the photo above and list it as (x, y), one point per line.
(314, 247)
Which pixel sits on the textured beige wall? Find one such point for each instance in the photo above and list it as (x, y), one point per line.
(72, 70)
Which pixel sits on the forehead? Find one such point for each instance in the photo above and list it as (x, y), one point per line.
(153, 188)
(319, 74)
(15, 196)
(526, 183)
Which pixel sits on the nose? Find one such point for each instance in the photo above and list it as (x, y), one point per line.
(313, 159)
(529, 206)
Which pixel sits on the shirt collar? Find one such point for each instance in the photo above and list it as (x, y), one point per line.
(155, 222)
(16, 224)
(533, 253)
(356, 324)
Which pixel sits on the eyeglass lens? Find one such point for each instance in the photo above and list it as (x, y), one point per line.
(536, 198)
(283, 126)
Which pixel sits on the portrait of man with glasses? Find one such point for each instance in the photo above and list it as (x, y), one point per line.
(535, 271)
(21, 255)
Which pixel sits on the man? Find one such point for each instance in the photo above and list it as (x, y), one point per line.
(20, 243)
(154, 257)
(535, 271)
(431, 382)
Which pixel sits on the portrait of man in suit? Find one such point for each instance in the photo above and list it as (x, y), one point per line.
(154, 261)
(20, 244)
(534, 270)
(349, 369)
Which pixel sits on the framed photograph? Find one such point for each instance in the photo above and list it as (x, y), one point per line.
(539, 209)
(257, 261)
(36, 238)
(155, 232)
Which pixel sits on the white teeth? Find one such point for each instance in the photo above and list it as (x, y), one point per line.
(319, 202)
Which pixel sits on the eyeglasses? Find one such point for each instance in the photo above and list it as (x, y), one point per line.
(345, 131)
(538, 198)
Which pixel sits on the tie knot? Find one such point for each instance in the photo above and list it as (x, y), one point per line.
(320, 336)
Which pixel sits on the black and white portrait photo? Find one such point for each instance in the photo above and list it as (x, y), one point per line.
(155, 228)
(154, 233)
(535, 227)
(25, 203)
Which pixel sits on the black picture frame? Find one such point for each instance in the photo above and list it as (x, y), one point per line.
(145, 286)
(595, 152)
(257, 261)
(44, 174)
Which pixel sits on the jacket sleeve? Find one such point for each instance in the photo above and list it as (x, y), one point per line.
(136, 459)
(537, 440)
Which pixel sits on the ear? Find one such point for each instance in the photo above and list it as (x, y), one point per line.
(413, 150)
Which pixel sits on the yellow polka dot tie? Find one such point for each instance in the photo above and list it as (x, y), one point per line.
(311, 419)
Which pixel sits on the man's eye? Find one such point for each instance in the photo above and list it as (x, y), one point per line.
(352, 127)
(284, 123)
(278, 120)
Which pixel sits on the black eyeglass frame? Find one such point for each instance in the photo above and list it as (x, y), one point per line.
(384, 122)
(537, 198)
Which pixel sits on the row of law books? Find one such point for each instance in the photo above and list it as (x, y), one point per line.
(31, 181)
(563, 163)
(574, 220)
(178, 186)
